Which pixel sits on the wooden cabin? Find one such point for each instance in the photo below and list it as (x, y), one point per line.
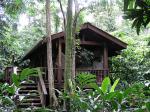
(94, 48)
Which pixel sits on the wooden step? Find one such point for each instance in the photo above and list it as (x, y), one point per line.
(31, 95)
(28, 95)
(28, 88)
(31, 100)
(27, 91)
(25, 105)
(28, 84)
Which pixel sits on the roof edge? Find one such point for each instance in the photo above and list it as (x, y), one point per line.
(105, 34)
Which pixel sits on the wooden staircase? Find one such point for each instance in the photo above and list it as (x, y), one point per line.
(30, 96)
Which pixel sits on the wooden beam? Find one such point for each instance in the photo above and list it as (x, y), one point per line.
(83, 42)
(90, 43)
(59, 77)
(58, 35)
(106, 35)
(105, 57)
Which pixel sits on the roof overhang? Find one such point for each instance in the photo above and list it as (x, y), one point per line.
(105, 35)
(86, 26)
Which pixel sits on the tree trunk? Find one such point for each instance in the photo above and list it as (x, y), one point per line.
(68, 87)
(52, 96)
(68, 49)
(74, 25)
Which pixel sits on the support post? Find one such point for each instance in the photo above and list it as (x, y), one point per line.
(59, 77)
(105, 59)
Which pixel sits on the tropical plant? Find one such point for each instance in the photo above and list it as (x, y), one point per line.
(8, 91)
(132, 63)
(88, 96)
(138, 11)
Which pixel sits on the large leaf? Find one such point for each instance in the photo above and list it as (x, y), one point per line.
(11, 89)
(28, 72)
(114, 85)
(110, 96)
(4, 86)
(95, 87)
(148, 106)
(8, 101)
(84, 79)
(16, 79)
(105, 85)
(131, 4)
(114, 105)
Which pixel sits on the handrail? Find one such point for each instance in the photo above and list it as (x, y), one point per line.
(42, 84)
(41, 81)
(42, 88)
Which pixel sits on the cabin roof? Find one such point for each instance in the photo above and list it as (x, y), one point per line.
(86, 26)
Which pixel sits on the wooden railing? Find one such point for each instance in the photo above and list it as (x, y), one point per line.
(42, 87)
(59, 77)
(59, 74)
(100, 73)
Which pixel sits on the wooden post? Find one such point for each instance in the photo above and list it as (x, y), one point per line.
(8, 72)
(15, 69)
(59, 77)
(105, 59)
(104, 72)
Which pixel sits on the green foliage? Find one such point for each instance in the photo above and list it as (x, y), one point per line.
(14, 7)
(105, 12)
(105, 85)
(133, 63)
(25, 73)
(35, 109)
(84, 79)
(114, 85)
(138, 11)
(1, 75)
(8, 92)
(106, 97)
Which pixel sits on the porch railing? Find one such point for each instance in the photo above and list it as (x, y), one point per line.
(59, 74)
(100, 73)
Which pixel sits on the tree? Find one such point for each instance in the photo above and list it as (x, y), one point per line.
(52, 96)
(138, 11)
(8, 30)
(70, 27)
(105, 13)
(68, 50)
(130, 65)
